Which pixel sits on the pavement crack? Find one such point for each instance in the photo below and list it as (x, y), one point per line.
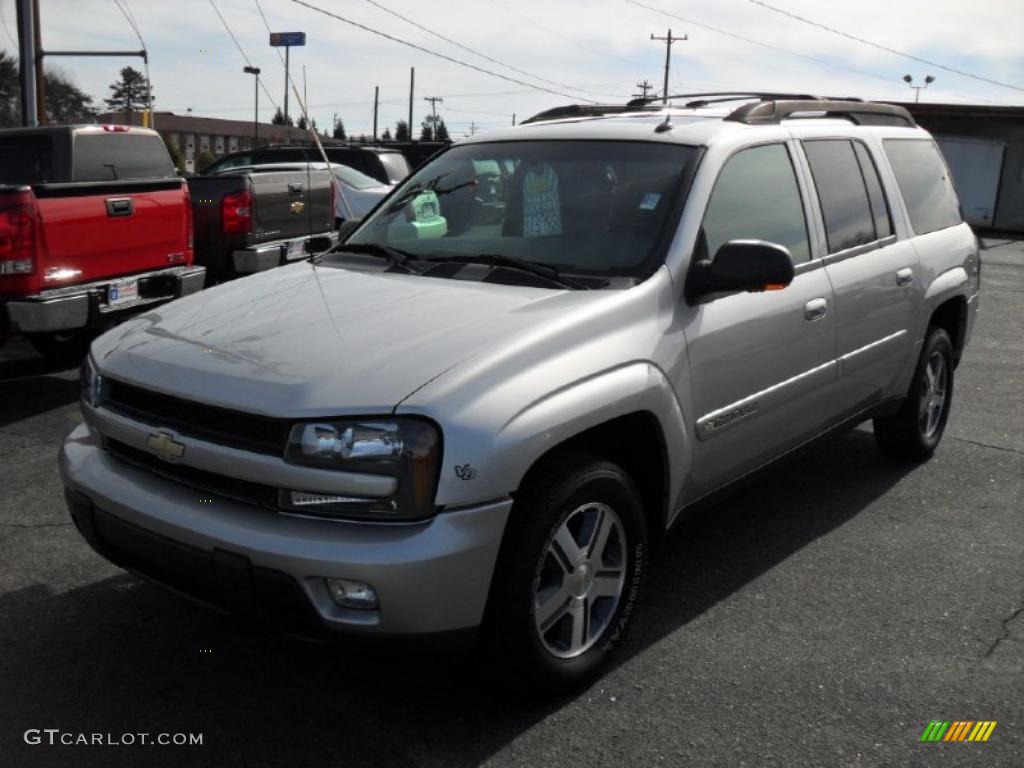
(34, 525)
(988, 445)
(1004, 630)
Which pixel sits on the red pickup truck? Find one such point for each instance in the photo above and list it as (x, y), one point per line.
(95, 225)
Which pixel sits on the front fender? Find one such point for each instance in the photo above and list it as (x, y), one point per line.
(483, 462)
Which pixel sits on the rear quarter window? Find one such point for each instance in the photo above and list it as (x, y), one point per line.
(117, 156)
(925, 184)
(26, 160)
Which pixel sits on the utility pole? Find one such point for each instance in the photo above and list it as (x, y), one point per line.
(644, 87)
(513, 118)
(40, 77)
(668, 40)
(27, 57)
(412, 88)
(376, 103)
(472, 128)
(433, 112)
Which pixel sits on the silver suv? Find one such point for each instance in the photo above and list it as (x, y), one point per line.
(531, 359)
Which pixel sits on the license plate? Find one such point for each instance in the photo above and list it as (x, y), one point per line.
(123, 292)
(296, 248)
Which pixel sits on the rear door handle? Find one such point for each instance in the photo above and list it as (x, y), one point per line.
(294, 188)
(905, 276)
(815, 309)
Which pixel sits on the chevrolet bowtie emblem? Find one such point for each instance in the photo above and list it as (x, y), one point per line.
(298, 206)
(165, 447)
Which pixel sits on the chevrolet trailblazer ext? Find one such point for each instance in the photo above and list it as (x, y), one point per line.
(480, 414)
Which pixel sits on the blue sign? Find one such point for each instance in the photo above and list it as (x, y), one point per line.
(287, 38)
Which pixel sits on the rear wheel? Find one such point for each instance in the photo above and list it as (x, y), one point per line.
(568, 576)
(914, 431)
(63, 348)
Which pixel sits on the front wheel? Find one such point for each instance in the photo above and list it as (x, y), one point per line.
(568, 576)
(914, 431)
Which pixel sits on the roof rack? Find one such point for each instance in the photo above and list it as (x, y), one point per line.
(771, 111)
(763, 108)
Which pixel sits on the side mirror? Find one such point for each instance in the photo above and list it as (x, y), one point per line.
(347, 228)
(742, 265)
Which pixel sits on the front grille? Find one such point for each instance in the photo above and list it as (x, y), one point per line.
(235, 429)
(201, 480)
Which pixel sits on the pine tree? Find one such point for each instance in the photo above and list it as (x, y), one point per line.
(386, 136)
(302, 122)
(279, 118)
(442, 131)
(426, 134)
(402, 131)
(339, 129)
(130, 93)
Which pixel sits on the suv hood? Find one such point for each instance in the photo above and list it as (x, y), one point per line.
(305, 340)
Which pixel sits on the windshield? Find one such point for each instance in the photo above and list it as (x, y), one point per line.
(590, 207)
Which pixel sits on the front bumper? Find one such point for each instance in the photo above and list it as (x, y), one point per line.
(431, 577)
(82, 306)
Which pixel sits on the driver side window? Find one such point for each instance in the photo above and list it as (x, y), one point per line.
(756, 197)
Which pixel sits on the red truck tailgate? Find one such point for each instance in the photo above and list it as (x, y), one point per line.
(112, 231)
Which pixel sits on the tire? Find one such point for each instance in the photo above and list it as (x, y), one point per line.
(539, 569)
(914, 431)
(67, 349)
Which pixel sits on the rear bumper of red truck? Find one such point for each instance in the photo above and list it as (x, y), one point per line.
(92, 304)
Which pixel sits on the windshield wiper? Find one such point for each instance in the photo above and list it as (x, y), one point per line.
(546, 271)
(395, 256)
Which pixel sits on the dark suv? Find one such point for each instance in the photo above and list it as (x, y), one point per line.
(386, 165)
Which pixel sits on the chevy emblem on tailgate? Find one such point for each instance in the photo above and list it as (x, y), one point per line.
(165, 447)
(298, 206)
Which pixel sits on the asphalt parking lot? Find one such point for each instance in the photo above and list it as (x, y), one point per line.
(821, 617)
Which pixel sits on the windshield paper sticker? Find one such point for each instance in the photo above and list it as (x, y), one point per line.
(650, 201)
(542, 211)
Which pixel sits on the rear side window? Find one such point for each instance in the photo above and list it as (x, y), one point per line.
(849, 221)
(757, 197)
(114, 156)
(924, 183)
(876, 195)
(26, 160)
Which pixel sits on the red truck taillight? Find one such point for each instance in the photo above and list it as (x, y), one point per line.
(190, 230)
(236, 213)
(17, 240)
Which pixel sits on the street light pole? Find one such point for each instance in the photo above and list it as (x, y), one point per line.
(928, 80)
(256, 116)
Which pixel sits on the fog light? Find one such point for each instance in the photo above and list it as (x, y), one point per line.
(352, 594)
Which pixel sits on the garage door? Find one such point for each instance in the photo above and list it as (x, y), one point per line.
(976, 165)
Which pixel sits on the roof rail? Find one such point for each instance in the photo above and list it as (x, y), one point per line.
(586, 110)
(722, 96)
(773, 111)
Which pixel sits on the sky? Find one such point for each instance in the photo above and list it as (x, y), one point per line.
(596, 50)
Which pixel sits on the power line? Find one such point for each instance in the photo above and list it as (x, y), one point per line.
(484, 56)
(885, 48)
(245, 56)
(131, 21)
(429, 52)
(758, 42)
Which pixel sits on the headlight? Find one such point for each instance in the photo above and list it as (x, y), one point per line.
(406, 449)
(91, 381)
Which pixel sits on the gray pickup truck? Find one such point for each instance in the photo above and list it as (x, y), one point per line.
(252, 219)
(479, 418)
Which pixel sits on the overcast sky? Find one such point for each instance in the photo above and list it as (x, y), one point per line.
(594, 50)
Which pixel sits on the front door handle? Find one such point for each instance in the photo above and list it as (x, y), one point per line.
(815, 309)
(905, 276)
